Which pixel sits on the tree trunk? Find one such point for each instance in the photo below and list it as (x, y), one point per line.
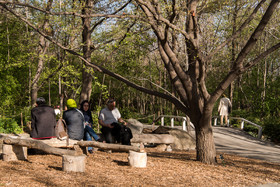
(43, 46)
(86, 35)
(205, 146)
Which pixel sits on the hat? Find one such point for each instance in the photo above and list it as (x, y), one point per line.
(71, 103)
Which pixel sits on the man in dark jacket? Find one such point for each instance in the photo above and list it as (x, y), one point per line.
(74, 119)
(43, 120)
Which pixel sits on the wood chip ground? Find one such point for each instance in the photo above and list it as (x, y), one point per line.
(163, 169)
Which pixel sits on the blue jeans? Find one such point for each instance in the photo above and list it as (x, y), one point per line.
(89, 132)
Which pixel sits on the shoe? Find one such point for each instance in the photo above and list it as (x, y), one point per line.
(90, 151)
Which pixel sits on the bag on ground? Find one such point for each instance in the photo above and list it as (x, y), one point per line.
(61, 129)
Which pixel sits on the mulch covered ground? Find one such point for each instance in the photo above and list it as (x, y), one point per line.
(163, 169)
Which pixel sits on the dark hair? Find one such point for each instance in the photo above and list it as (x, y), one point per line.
(40, 101)
(88, 112)
(110, 100)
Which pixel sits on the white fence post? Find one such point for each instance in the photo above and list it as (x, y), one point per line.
(184, 124)
(215, 121)
(242, 124)
(172, 122)
(162, 121)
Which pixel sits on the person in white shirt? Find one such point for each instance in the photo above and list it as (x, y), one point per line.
(223, 109)
(108, 117)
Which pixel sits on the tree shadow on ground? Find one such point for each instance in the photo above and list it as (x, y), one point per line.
(121, 163)
(188, 156)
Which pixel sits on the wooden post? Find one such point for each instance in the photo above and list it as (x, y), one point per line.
(14, 152)
(73, 163)
(137, 159)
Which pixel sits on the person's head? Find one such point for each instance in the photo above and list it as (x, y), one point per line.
(85, 105)
(71, 103)
(224, 95)
(40, 101)
(111, 103)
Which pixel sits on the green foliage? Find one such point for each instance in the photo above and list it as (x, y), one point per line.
(8, 125)
(272, 129)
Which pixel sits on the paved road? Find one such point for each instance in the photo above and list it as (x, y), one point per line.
(235, 141)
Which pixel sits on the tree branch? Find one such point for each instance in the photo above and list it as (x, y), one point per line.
(246, 22)
(172, 99)
(260, 57)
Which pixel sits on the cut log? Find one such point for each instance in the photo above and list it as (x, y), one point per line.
(136, 159)
(106, 146)
(36, 144)
(73, 163)
(153, 138)
(14, 152)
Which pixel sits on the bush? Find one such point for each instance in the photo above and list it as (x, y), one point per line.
(272, 130)
(8, 125)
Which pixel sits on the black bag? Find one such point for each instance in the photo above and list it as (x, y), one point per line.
(122, 133)
(229, 109)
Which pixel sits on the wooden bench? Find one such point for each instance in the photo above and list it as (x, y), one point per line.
(15, 148)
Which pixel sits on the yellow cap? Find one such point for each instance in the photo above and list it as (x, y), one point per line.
(71, 103)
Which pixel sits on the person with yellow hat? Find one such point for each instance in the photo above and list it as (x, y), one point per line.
(74, 120)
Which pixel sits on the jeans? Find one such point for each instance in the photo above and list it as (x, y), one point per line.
(89, 132)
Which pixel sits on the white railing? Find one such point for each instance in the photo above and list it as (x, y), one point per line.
(242, 124)
(186, 123)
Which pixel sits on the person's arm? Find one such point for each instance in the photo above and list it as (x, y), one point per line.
(101, 122)
(121, 121)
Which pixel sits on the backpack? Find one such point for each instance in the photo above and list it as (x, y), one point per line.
(125, 135)
(61, 129)
(122, 133)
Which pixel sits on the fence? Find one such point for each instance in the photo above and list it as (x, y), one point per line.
(242, 124)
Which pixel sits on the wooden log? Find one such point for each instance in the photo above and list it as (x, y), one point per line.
(153, 138)
(137, 159)
(73, 163)
(14, 152)
(106, 146)
(37, 144)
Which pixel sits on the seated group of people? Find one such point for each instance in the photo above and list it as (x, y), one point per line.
(78, 121)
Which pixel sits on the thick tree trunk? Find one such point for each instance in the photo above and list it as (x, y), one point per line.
(205, 146)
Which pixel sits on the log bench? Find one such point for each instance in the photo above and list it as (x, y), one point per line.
(15, 148)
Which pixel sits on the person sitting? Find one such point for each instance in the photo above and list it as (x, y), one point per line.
(110, 119)
(43, 120)
(89, 132)
(74, 120)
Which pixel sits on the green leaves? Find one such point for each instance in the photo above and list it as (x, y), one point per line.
(8, 125)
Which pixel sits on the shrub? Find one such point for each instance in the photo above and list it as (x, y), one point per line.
(272, 130)
(8, 125)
